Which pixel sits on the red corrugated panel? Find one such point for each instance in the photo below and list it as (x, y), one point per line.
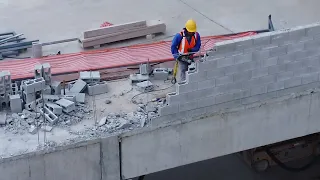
(107, 58)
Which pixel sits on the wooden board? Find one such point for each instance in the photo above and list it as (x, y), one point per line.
(113, 29)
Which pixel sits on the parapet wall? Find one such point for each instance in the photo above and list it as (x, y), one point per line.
(247, 70)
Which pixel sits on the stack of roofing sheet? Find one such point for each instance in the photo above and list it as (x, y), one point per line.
(120, 32)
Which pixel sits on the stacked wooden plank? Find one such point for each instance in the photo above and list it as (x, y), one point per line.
(97, 37)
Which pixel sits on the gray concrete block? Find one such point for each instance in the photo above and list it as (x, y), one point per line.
(228, 88)
(293, 66)
(56, 87)
(160, 73)
(252, 49)
(67, 106)
(312, 62)
(50, 98)
(295, 81)
(33, 129)
(242, 67)
(186, 87)
(279, 37)
(47, 73)
(259, 55)
(258, 90)
(259, 81)
(243, 76)
(243, 43)
(28, 98)
(284, 76)
(310, 53)
(275, 86)
(174, 98)
(296, 89)
(145, 86)
(99, 88)
(305, 71)
(269, 62)
(224, 46)
(215, 73)
(295, 47)
(33, 85)
(261, 39)
(258, 98)
(313, 44)
(166, 110)
(54, 108)
(138, 78)
(224, 80)
(241, 94)
(49, 115)
(297, 33)
(80, 97)
(256, 73)
(313, 29)
(276, 69)
(46, 128)
(145, 69)
(287, 58)
(243, 58)
(15, 103)
(207, 101)
(278, 51)
(79, 86)
(47, 90)
(225, 62)
(69, 97)
(188, 106)
(223, 98)
(196, 77)
(199, 94)
(310, 78)
(207, 84)
(300, 55)
(90, 76)
(208, 65)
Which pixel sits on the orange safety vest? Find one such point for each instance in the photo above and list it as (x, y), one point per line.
(185, 45)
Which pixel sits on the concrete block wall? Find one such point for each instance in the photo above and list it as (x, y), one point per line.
(247, 70)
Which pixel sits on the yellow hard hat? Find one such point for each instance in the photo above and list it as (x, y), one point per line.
(191, 25)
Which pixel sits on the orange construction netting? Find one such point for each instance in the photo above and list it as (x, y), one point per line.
(107, 58)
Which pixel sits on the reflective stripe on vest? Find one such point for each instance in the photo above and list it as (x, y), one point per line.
(184, 44)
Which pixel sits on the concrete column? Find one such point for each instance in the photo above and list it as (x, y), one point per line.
(36, 50)
(110, 161)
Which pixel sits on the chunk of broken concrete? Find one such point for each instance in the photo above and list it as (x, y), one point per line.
(33, 129)
(108, 101)
(46, 128)
(102, 121)
(3, 117)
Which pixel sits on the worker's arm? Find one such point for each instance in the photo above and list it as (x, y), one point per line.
(198, 44)
(175, 45)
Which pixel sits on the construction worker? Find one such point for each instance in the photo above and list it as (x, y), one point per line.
(184, 44)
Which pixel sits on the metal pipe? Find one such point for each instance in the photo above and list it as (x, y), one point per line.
(17, 44)
(9, 38)
(7, 33)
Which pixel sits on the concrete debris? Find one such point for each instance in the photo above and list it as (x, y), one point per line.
(145, 86)
(138, 78)
(160, 73)
(78, 87)
(107, 101)
(46, 128)
(102, 121)
(3, 117)
(33, 129)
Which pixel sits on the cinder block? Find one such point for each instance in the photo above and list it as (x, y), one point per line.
(196, 77)
(244, 76)
(243, 43)
(312, 62)
(296, 46)
(47, 90)
(67, 106)
(145, 69)
(174, 98)
(56, 87)
(259, 81)
(300, 55)
(69, 97)
(313, 29)
(79, 86)
(138, 78)
(310, 78)
(208, 65)
(275, 86)
(50, 98)
(279, 37)
(166, 110)
(47, 73)
(297, 33)
(6, 75)
(276, 69)
(256, 73)
(33, 129)
(269, 62)
(225, 62)
(49, 115)
(194, 95)
(208, 101)
(160, 73)
(34, 85)
(287, 58)
(80, 97)
(32, 106)
(243, 58)
(223, 98)
(278, 51)
(288, 91)
(188, 106)
(262, 39)
(295, 81)
(252, 50)
(305, 71)
(187, 87)
(284, 76)
(293, 66)
(228, 88)
(258, 90)
(241, 94)
(98, 88)
(215, 73)
(16, 103)
(207, 84)
(38, 71)
(90, 76)
(46, 128)
(312, 52)
(28, 98)
(54, 108)
(258, 98)
(224, 80)
(225, 46)
(259, 55)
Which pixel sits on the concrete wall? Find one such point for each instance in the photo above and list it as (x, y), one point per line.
(223, 133)
(91, 160)
(248, 70)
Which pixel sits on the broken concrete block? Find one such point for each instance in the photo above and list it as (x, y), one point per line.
(33, 85)
(28, 98)
(38, 71)
(69, 97)
(78, 87)
(49, 115)
(32, 106)
(67, 106)
(102, 121)
(47, 90)
(15, 103)
(3, 117)
(50, 98)
(80, 97)
(47, 73)
(33, 129)
(46, 128)
(160, 73)
(138, 78)
(56, 87)
(56, 109)
(97, 88)
(90, 76)
(145, 86)
(145, 69)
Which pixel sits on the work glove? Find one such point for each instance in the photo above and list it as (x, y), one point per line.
(189, 50)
